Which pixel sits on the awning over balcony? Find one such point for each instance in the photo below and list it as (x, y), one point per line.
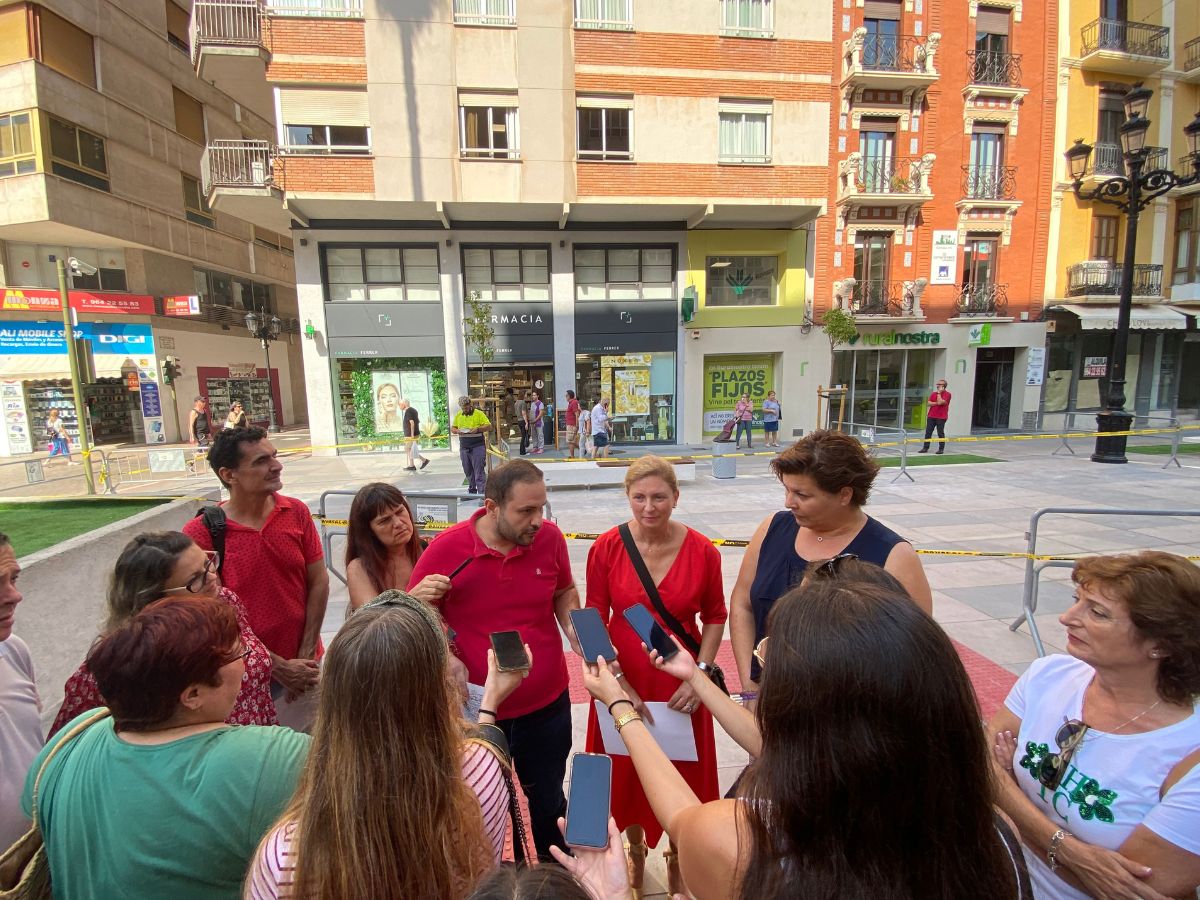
(1096, 318)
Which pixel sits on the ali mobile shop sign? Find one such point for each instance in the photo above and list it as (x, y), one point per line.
(107, 338)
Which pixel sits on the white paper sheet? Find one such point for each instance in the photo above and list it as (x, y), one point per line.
(474, 701)
(671, 729)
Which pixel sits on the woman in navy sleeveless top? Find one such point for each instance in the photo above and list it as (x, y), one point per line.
(827, 476)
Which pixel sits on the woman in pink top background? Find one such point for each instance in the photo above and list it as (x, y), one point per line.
(743, 413)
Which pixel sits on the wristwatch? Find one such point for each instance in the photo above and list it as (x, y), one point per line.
(706, 668)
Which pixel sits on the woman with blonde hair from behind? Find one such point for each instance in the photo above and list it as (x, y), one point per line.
(400, 799)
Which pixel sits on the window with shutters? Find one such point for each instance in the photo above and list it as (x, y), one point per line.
(747, 18)
(194, 204)
(64, 47)
(29, 266)
(488, 126)
(744, 132)
(189, 115)
(1186, 268)
(381, 272)
(325, 121)
(77, 154)
(509, 272)
(17, 153)
(604, 15)
(1105, 231)
(501, 13)
(604, 128)
(177, 27)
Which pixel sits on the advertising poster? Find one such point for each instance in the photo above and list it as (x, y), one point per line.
(726, 378)
(152, 417)
(631, 392)
(17, 426)
(1035, 368)
(943, 258)
(415, 388)
(385, 388)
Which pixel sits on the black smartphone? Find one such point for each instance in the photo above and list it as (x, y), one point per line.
(653, 635)
(510, 651)
(593, 636)
(588, 803)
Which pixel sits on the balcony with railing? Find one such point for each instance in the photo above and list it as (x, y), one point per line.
(983, 300)
(1130, 48)
(1101, 280)
(604, 15)
(315, 9)
(1191, 61)
(245, 179)
(1108, 160)
(885, 180)
(226, 28)
(882, 299)
(492, 13)
(994, 68)
(889, 60)
(989, 182)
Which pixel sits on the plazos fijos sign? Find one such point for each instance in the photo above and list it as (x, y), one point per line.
(892, 338)
(726, 378)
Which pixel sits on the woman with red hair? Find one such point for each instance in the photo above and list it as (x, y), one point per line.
(163, 798)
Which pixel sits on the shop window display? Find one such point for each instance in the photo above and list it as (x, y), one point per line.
(491, 383)
(641, 391)
(367, 393)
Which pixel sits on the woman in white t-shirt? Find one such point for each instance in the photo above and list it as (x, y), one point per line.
(1100, 750)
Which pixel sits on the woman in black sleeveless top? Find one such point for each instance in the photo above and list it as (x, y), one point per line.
(827, 477)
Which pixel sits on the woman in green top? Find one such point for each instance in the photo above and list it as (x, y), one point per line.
(164, 799)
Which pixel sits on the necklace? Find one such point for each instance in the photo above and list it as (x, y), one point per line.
(1138, 716)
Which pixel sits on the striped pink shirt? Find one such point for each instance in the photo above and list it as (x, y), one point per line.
(270, 876)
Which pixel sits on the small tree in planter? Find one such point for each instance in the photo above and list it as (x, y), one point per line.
(839, 327)
(477, 325)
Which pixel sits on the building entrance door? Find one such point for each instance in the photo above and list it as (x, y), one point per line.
(993, 389)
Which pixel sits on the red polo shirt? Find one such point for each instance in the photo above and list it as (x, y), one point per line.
(504, 593)
(573, 413)
(940, 412)
(268, 570)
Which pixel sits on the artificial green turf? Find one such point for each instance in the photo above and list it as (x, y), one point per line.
(35, 526)
(1162, 449)
(932, 459)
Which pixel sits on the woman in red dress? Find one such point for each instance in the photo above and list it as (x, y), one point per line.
(686, 570)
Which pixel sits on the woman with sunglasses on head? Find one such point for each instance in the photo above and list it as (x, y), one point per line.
(827, 478)
(1099, 750)
(168, 564)
(162, 799)
(383, 546)
(872, 778)
(237, 416)
(400, 798)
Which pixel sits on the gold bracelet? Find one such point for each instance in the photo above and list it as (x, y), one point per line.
(625, 718)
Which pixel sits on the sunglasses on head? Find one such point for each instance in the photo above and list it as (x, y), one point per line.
(760, 652)
(1054, 766)
(830, 567)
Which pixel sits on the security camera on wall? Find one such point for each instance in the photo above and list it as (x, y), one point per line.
(79, 267)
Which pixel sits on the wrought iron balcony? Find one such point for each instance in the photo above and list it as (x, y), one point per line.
(239, 164)
(877, 298)
(994, 67)
(905, 177)
(1122, 36)
(1191, 60)
(1101, 278)
(1109, 159)
(990, 182)
(982, 300)
(889, 58)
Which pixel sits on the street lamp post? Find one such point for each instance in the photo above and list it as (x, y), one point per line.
(1131, 193)
(266, 329)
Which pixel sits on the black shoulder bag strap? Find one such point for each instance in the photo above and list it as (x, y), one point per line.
(213, 518)
(639, 566)
(1013, 845)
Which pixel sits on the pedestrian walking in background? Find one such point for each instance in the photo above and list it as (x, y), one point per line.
(772, 412)
(519, 577)
(274, 562)
(599, 426)
(20, 705)
(537, 423)
(237, 416)
(199, 426)
(412, 436)
(939, 411)
(572, 416)
(56, 432)
(471, 426)
(743, 414)
(522, 408)
(585, 429)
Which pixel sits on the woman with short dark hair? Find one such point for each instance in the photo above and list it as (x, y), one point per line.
(162, 564)
(872, 773)
(164, 799)
(1099, 750)
(827, 477)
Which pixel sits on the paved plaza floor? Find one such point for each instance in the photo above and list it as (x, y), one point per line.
(982, 507)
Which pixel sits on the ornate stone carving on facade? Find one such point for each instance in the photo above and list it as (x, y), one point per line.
(911, 301)
(843, 291)
(923, 54)
(848, 170)
(852, 49)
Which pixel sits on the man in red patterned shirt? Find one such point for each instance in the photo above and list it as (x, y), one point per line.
(274, 563)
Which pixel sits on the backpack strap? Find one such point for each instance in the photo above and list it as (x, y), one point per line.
(213, 518)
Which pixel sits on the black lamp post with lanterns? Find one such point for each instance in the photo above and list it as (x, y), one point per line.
(1131, 193)
(266, 329)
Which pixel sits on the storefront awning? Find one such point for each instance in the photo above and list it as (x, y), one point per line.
(1193, 311)
(32, 366)
(1142, 319)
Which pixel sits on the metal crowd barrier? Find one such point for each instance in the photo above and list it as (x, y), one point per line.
(880, 438)
(151, 464)
(1033, 567)
(1170, 426)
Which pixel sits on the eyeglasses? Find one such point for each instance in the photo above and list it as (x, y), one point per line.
(1054, 766)
(234, 657)
(829, 568)
(199, 581)
(760, 652)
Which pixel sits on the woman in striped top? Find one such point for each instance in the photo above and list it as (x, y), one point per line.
(399, 798)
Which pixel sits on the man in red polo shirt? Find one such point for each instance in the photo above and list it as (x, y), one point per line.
(519, 578)
(273, 561)
(572, 424)
(939, 411)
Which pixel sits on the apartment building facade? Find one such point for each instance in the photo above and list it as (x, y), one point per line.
(940, 184)
(629, 188)
(1106, 49)
(102, 131)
